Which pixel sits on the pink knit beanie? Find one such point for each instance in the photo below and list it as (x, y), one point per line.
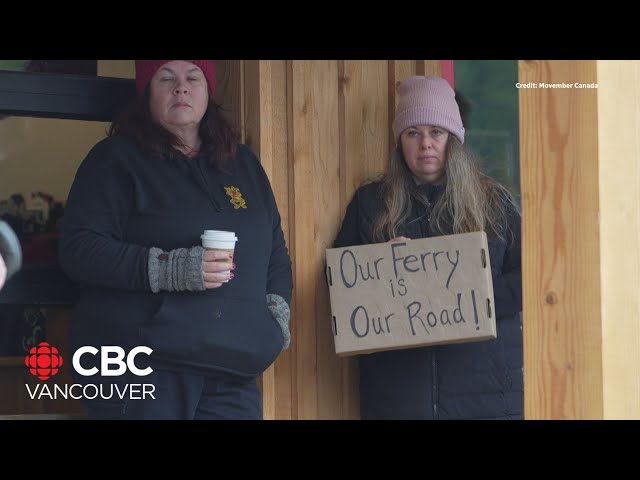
(145, 69)
(427, 101)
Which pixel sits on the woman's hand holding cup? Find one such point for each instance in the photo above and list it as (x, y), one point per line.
(217, 259)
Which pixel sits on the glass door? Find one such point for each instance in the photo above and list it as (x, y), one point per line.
(489, 103)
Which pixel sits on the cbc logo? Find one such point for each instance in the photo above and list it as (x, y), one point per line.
(44, 361)
(106, 359)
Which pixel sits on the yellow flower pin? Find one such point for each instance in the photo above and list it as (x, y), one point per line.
(236, 197)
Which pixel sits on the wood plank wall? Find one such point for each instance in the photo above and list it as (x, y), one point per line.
(320, 128)
(559, 168)
(323, 127)
(619, 152)
(580, 185)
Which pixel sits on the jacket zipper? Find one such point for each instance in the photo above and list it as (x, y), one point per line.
(426, 231)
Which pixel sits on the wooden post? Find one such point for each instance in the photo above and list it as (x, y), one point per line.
(265, 132)
(581, 225)
(619, 152)
(320, 129)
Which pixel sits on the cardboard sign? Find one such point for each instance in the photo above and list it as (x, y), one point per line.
(420, 292)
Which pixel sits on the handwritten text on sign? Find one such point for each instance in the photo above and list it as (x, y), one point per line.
(405, 294)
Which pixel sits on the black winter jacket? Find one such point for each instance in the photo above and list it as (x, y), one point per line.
(476, 380)
(120, 205)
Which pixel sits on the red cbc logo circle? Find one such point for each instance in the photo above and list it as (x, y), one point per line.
(43, 361)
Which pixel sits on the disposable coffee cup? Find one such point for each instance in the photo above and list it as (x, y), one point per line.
(219, 240)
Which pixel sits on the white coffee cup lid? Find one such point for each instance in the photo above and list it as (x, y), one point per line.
(219, 235)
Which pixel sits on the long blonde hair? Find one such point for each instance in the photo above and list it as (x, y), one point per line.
(471, 201)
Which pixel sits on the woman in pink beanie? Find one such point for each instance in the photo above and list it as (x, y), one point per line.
(434, 186)
(213, 320)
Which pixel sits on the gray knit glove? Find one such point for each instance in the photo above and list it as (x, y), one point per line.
(280, 311)
(177, 270)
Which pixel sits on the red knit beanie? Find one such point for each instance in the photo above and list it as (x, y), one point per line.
(145, 69)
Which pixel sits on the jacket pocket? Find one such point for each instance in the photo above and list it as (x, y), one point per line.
(236, 336)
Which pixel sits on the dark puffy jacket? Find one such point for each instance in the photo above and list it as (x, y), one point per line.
(476, 380)
(121, 204)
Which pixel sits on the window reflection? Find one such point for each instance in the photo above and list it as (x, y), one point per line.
(492, 116)
(38, 160)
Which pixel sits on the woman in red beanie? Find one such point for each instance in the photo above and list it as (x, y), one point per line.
(170, 169)
(433, 186)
